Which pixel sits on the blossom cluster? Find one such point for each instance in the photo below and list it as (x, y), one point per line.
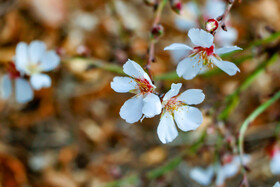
(228, 168)
(27, 71)
(190, 17)
(173, 106)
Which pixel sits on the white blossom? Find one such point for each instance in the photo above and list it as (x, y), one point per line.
(145, 103)
(202, 55)
(33, 60)
(277, 184)
(176, 107)
(23, 90)
(222, 171)
(202, 176)
(275, 162)
(229, 169)
(190, 15)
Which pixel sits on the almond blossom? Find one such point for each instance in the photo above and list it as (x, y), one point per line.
(277, 184)
(23, 90)
(145, 103)
(230, 167)
(275, 161)
(33, 60)
(202, 176)
(202, 55)
(175, 107)
(190, 16)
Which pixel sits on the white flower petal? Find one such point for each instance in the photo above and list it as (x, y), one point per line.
(274, 164)
(178, 55)
(184, 24)
(226, 38)
(39, 81)
(178, 46)
(21, 57)
(166, 130)
(277, 184)
(179, 51)
(134, 70)
(189, 68)
(188, 17)
(202, 176)
(191, 96)
(200, 37)
(49, 61)
(6, 87)
(152, 105)
(23, 90)
(220, 177)
(131, 111)
(123, 84)
(188, 118)
(230, 169)
(214, 8)
(228, 67)
(227, 49)
(245, 159)
(175, 88)
(36, 50)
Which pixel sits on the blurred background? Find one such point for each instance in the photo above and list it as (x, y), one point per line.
(71, 134)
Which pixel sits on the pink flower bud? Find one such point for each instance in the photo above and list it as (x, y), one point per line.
(157, 31)
(176, 5)
(211, 25)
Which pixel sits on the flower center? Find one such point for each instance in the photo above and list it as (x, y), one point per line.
(12, 71)
(204, 50)
(33, 68)
(204, 53)
(172, 104)
(144, 86)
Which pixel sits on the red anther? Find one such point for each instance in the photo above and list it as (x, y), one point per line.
(209, 51)
(144, 85)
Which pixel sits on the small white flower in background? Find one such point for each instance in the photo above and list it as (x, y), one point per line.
(204, 54)
(145, 102)
(33, 60)
(175, 106)
(214, 9)
(231, 166)
(202, 176)
(189, 18)
(23, 90)
(275, 161)
(277, 184)
(226, 38)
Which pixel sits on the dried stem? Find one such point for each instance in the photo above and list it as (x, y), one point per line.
(222, 18)
(153, 40)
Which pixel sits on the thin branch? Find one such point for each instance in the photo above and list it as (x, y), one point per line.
(222, 18)
(153, 40)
